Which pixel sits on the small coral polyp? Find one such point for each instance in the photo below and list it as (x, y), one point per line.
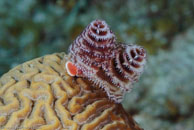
(98, 57)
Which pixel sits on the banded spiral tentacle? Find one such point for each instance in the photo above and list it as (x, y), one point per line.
(127, 65)
(92, 48)
(113, 67)
(123, 70)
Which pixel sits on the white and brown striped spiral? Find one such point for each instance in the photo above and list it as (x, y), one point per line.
(93, 47)
(113, 67)
(123, 70)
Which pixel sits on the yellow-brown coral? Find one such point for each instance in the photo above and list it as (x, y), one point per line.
(40, 95)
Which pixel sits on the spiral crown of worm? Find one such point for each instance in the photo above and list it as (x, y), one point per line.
(113, 67)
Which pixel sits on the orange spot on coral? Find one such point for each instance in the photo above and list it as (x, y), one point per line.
(71, 68)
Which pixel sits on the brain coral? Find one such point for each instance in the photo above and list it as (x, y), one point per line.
(39, 94)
